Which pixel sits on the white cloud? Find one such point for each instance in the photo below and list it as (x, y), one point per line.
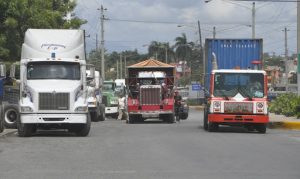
(230, 19)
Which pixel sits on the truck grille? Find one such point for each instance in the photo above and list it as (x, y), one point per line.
(234, 107)
(150, 96)
(54, 101)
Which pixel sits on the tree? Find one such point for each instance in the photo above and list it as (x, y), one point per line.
(19, 15)
(160, 50)
(183, 48)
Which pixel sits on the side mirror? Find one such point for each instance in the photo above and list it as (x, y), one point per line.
(92, 69)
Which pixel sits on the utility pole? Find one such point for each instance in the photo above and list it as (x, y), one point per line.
(125, 64)
(200, 37)
(166, 52)
(298, 46)
(201, 52)
(117, 69)
(121, 72)
(102, 18)
(214, 32)
(286, 58)
(96, 42)
(253, 20)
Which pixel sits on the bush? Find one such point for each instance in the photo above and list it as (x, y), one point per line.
(286, 104)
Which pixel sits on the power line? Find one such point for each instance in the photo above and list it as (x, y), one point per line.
(184, 23)
(268, 0)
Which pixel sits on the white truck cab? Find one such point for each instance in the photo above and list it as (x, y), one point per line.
(95, 106)
(53, 89)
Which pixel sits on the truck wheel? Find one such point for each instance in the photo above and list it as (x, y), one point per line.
(84, 129)
(94, 116)
(115, 115)
(261, 128)
(171, 118)
(184, 116)
(24, 130)
(205, 120)
(1, 119)
(102, 113)
(131, 119)
(213, 127)
(11, 115)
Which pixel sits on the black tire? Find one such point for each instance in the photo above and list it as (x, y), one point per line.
(171, 118)
(102, 112)
(261, 128)
(94, 116)
(1, 119)
(84, 129)
(205, 119)
(115, 115)
(131, 119)
(24, 130)
(184, 116)
(11, 115)
(213, 127)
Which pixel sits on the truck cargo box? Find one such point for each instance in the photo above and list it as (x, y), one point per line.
(231, 53)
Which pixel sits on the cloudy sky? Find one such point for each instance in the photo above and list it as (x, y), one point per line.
(133, 24)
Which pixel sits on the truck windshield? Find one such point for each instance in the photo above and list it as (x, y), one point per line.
(108, 87)
(53, 70)
(250, 85)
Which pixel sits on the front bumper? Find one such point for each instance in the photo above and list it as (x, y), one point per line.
(230, 118)
(150, 114)
(53, 118)
(111, 110)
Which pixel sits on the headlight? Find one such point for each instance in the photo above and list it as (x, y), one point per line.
(26, 109)
(81, 109)
(260, 105)
(217, 106)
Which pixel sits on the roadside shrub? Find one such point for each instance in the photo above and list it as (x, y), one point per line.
(286, 104)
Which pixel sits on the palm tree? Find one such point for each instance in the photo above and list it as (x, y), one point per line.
(161, 50)
(183, 47)
(154, 49)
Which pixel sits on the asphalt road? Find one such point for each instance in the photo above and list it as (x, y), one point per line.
(115, 149)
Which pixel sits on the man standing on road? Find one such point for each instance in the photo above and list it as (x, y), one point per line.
(177, 103)
(121, 107)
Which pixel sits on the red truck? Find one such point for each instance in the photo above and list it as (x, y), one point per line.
(150, 86)
(236, 94)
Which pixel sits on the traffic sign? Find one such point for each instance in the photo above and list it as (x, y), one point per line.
(196, 87)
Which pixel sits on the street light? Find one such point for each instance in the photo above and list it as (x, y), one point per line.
(253, 14)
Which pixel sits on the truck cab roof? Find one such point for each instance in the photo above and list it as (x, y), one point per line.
(238, 71)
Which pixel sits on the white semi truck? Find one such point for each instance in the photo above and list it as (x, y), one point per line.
(53, 87)
(95, 106)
